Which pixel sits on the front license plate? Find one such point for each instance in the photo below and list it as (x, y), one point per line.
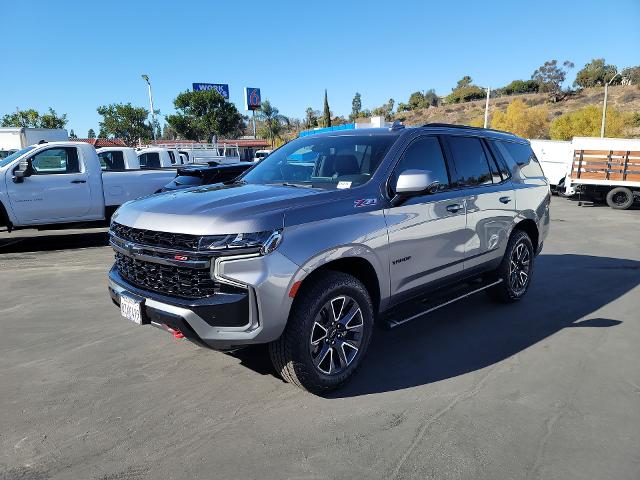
(131, 309)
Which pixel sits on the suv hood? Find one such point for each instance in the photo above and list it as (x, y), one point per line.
(216, 209)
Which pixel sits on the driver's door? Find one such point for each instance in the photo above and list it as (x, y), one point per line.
(56, 189)
(426, 232)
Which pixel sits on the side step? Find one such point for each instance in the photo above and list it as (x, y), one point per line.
(422, 306)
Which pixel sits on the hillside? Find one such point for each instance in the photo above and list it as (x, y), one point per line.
(623, 98)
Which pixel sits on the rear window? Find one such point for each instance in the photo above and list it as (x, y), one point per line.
(150, 160)
(522, 155)
(113, 160)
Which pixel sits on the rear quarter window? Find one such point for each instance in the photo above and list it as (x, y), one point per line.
(522, 155)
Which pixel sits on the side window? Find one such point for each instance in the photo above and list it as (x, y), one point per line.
(424, 153)
(522, 155)
(56, 161)
(172, 157)
(150, 160)
(471, 161)
(111, 160)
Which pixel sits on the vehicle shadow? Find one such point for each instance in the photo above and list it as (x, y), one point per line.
(475, 333)
(18, 242)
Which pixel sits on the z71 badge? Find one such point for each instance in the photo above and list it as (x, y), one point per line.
(365, 202)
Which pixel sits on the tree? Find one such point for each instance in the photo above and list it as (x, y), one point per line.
(356, 107)
(385, 110)
(586, 123)
(203, 114)
(596, 73)
(550, 76)
(631, 76)
(420, 100)
(463, 82)
(273, 124)
(311, 118)
(124, 121)
(168, 133)
(528, 122)
(32, 119)
(326, 116)
(91, 133)
(72, 134)
(520, 86)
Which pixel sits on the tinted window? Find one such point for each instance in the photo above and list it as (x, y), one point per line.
(55, 161)
(150, 160)
(340, 161)
(523, 156)
(424, 154)
(471, 161)
(111, 160)
(172, 157)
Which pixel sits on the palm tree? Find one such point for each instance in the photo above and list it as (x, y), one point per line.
(273, 124)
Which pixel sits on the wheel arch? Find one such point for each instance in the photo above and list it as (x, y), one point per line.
(5, 221)
(530, 228)
(358, 267)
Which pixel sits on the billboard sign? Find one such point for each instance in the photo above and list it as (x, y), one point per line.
(252, 99)
(221, 88)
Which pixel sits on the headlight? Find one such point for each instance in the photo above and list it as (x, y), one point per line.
(264, 242)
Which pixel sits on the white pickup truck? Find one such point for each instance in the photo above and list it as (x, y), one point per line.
(159, 157)
(64, 183)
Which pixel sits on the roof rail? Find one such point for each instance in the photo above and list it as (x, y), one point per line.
(451, 125)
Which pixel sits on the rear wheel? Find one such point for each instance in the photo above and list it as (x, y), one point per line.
(327, 335)
(515, 270)
(620, 198)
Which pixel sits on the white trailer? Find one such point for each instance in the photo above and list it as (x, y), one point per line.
(605, 169)
(14, 139)
(555, 159)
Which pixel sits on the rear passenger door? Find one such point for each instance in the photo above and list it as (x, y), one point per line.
(426, 232)
(490, 199)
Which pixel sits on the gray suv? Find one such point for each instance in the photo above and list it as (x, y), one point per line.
(329, 235)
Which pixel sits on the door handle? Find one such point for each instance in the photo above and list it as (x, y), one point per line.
(78, 181)
(505, 200)
(454, 207)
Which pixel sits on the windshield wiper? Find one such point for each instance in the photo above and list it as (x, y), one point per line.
(297, 185)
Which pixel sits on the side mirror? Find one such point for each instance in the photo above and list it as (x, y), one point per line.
(23, 171)
(413, 182)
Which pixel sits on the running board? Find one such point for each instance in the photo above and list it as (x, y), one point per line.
(420, 307)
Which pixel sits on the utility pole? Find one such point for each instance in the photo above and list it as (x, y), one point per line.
(486, 108)
(153, 114)
(604, 106)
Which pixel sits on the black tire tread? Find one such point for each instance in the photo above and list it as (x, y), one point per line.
(501, 292)
(281, 350)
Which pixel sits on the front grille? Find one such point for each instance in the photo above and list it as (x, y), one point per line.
(178, 281)
(152, 238)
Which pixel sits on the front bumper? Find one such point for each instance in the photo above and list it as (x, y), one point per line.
(224, 321)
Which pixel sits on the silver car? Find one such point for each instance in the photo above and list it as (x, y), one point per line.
(330, 234)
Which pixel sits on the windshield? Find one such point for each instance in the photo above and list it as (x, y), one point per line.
(7, 160)
(342, 161)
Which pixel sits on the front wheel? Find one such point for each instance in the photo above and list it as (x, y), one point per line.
(620, 198)
(327, 335)
(515, 270)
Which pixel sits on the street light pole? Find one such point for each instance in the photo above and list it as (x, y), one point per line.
(486, 108)
(604, 106)
(153, 114)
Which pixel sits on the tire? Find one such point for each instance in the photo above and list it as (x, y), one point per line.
(620, 198)
(515, 270)
(304, 354)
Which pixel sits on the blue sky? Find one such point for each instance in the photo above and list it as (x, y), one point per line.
(74, 56)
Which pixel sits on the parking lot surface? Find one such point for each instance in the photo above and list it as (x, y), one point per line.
(545, 388)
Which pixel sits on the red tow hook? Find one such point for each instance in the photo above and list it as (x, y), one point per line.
(176, 333)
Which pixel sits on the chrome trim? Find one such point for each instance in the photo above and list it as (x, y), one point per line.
(215, 270)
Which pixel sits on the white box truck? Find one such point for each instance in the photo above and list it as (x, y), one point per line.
(14, 139)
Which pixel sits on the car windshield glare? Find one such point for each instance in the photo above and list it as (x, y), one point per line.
(330, 162)
(7, 160)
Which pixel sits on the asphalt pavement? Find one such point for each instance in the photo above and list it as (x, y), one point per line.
(548, 388)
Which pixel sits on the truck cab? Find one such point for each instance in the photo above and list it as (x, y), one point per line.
(158, 157)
